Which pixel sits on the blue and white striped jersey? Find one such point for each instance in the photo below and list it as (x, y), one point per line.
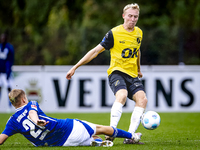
(55, 133)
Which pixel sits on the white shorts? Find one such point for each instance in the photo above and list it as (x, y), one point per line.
(79, 135)
(4, 82)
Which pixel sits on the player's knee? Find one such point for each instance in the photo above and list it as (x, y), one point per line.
(121, 99)
(144, 101)
(121, 96)
(141, 101)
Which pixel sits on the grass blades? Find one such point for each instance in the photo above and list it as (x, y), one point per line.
(177, 131)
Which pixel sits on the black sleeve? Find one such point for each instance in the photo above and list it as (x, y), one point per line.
(108, 40)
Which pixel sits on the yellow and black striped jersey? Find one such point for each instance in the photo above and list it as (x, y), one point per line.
(124, 47)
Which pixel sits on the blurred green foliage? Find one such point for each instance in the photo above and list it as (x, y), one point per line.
(60, 32)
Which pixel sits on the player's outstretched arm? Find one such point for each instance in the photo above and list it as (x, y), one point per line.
(34, 117)
(87, 58)
(3, 138)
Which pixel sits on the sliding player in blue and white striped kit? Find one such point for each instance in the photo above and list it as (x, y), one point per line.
(41, 130)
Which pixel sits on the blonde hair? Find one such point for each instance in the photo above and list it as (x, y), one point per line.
(15, 96)
(133, 6)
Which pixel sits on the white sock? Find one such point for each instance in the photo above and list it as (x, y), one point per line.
(135, 119)
(116, 112)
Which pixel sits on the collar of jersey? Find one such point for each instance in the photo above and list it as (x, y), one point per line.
(20, 108)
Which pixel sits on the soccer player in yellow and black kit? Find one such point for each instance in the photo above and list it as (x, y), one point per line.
(124, 72)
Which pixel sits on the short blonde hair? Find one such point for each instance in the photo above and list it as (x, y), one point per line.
(133, 6)
(15, 96)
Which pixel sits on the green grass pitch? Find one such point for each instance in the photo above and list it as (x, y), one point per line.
(177, 131)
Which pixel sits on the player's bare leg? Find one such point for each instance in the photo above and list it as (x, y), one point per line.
(113, 132)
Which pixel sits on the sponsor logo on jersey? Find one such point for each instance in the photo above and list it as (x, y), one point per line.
(122, 42)
(138, 40)
(34, 107)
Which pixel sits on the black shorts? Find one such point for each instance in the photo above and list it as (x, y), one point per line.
(119, 80)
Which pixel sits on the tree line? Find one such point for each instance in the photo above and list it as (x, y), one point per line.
(60, 32)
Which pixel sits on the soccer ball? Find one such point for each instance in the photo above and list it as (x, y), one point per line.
(150, 120)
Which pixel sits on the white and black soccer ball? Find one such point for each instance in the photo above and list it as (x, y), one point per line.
(150, 120)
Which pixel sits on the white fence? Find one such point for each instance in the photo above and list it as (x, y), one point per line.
(168, 88)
